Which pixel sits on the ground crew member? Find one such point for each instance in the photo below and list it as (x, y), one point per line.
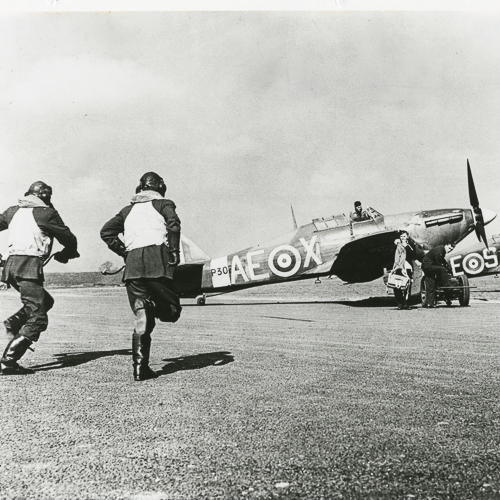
(359, 214)
(403, 265)
(436, 270)
(32, 224)
(147, 234)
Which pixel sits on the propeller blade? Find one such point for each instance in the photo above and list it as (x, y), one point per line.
(474, 201)
(482, 233)
(478, 213)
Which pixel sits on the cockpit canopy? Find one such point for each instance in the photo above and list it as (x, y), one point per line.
(342, 220)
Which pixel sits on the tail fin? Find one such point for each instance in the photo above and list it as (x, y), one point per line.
(191, 253)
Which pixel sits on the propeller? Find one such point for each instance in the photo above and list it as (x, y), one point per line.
(478, 213)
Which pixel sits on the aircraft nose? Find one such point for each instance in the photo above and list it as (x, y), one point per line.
(488, 215)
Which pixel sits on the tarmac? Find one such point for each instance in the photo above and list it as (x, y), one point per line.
(298, 390)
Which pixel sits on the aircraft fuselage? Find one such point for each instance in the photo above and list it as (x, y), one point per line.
(477, 260)
(354, 251)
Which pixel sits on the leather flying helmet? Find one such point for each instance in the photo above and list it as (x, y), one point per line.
(41, 190)
(153, 182)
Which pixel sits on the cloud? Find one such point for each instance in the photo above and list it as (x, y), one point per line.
(64, 84)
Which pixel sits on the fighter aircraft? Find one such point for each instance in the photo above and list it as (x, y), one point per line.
(355, 252)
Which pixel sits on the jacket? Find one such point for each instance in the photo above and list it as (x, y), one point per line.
(140, 233)
(435, 257)
(355, 217)
(403, 255)
(33, 226)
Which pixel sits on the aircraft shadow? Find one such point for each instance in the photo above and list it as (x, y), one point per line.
(375, 302)
(66, 360)
(366, 302)
(196, 362)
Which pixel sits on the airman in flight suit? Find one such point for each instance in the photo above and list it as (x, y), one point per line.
(147, 234)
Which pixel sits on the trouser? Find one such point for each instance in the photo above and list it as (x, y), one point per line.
(434, 276)
(160, 293)
(150, 299)
(31, 319)
(402, 296)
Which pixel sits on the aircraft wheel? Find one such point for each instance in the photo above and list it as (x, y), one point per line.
(464, 297)
(201, 301)
(423, 292)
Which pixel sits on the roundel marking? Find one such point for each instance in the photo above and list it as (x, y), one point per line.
(473, 263)
(284, 260)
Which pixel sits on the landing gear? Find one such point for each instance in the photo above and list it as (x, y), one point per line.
(201, 300)
(423, 291)
(464, 295)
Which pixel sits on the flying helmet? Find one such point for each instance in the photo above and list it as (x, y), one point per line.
(40, 190)
(151, 181)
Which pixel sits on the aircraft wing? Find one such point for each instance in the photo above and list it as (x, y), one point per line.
(364, 258)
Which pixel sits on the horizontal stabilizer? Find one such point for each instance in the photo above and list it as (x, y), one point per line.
(191, 253)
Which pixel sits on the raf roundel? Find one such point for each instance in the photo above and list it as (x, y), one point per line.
(284, 261)
(473, 263)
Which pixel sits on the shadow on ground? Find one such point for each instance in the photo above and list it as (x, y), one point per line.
(388, 301)
(196, 362)
(66, 360)
(366, 302)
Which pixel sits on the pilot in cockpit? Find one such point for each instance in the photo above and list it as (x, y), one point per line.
(359, 214)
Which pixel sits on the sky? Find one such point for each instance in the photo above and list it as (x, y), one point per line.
(246, 113)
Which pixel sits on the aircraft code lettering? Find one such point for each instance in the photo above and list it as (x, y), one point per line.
(283, 261)
(474, 263)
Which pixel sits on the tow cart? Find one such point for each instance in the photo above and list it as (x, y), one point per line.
(459, 287)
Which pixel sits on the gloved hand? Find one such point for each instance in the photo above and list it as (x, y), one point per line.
(61, 257)
(173, 240)
(65, 255)
(174, 258)
(118, 247)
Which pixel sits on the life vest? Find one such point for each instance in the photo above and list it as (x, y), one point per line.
(144, 226)
(26, 237)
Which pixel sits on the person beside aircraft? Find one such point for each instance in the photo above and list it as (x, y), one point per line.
(150, 233)
(436, 270)
(359, 214)
(403, 265)
(33, 224)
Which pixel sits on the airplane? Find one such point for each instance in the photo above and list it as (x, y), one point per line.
(355, 252)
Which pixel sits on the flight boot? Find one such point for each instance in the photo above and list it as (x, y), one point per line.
(14, 323)
(14, 351)
(141, 346)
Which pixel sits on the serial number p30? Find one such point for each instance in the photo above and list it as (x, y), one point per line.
(219, 271)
